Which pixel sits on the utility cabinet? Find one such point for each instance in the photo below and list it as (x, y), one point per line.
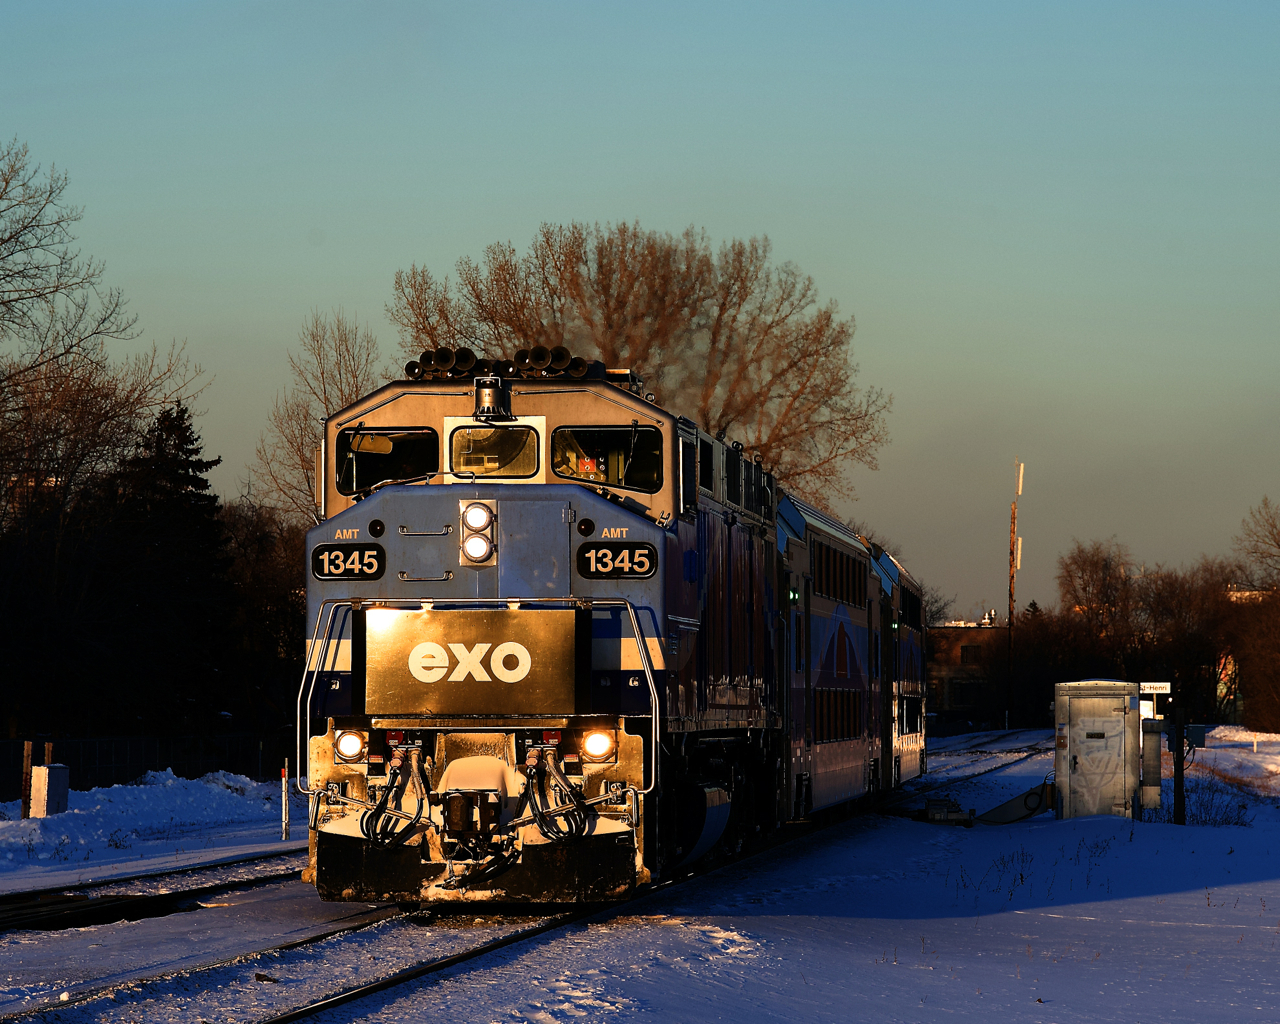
(1098, 743)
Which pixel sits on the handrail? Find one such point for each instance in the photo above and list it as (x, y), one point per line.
(302, 725)
(642, 646)
(442, 532)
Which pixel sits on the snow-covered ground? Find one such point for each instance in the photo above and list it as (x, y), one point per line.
(877, 919)
(885, 919)
(161, 823)
(38, 968)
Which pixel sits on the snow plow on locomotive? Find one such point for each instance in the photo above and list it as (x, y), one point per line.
(563, 642)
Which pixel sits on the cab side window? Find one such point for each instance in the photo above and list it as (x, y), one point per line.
(365, 457)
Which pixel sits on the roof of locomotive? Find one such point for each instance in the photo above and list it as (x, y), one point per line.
(621, 387)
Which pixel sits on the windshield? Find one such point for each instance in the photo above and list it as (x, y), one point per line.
(366, 457)
(495, 451)
(619, 456)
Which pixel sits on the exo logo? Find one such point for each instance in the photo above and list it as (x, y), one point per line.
(428, 662)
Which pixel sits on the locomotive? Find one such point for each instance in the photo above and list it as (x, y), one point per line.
(563, 642)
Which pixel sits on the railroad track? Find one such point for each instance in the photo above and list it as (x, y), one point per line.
(54, 911)
(191, 869)
(435, 916)
(559, 921)
(86, 995)
(423, 970)
(899, 799)
(786, 835)
(77, 906)
(793, 833)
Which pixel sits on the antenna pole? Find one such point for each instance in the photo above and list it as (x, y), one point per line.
(1014, 560)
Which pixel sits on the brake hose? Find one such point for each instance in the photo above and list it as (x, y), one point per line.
(369, 820)
(578, 819)
(540, 804)
(378, 826)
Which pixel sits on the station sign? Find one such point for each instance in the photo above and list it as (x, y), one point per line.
(1155, 687)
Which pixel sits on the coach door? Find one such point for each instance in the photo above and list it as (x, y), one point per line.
(884, 660)
(800, 699)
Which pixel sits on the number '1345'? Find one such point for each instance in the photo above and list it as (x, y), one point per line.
(348, 561)
(617, 560)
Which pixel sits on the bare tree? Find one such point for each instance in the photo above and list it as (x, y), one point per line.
(1258, 545)
(428, 315)
(67, 422)
(1254, 628)
(1180, 632)
(773, 370)
(938, 607)
(1095, 583)
(742, 346)
(52, 300)
(336, 363)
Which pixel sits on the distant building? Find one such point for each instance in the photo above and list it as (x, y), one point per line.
(965, 675)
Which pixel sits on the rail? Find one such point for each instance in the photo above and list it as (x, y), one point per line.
(311, 675)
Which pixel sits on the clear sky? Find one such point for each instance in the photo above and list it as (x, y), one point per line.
(1056, 225)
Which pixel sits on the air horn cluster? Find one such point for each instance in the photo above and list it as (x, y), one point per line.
(539, 361)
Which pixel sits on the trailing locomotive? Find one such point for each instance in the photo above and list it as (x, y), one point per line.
(564, 642)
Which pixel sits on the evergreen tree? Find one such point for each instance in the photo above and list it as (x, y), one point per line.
(172, 616)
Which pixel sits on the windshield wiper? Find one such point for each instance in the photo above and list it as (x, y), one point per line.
(365, 492)
(631, 452)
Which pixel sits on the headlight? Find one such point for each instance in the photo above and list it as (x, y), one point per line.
(477, 516)
(350, 745)
(597, 744)
(477, 547)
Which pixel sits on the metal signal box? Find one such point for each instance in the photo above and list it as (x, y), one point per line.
(1151, 729)
(1098, 744)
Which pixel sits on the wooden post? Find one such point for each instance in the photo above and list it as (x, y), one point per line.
(26, 779)
(1179, 741)
(284, 802)
(48, 751)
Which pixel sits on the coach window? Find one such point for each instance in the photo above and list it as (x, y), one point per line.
(366, 457)
(494, 451)
(619, 456)
(909, 715)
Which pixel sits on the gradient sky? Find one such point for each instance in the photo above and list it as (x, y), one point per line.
(1056, 225)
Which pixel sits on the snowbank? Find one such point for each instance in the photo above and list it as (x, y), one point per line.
(160, 815)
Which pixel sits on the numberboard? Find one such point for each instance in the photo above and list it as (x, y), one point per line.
(616, 560)
(348, 562)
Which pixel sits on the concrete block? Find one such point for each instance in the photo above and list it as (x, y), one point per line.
(49, 785)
